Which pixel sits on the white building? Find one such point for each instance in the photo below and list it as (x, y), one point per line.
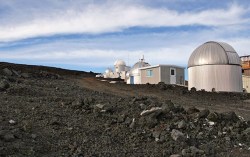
(134, 75)
(120, 70)
(169, 74)
(215, 66)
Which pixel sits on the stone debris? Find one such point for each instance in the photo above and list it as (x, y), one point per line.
(4, 84)
(132, 125)
(7, 72)
(100, 106)
(177, 135)
(152, 110)
(12, 121)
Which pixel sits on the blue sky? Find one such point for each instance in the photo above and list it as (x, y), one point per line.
(91, 34)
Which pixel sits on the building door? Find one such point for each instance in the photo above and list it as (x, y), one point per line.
(172, 76)
(132, 80)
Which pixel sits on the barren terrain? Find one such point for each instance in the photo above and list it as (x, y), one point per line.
(55, 112)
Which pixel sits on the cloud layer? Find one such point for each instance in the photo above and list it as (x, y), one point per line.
(109, 17)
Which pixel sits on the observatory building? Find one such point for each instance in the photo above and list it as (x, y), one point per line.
(215, 66)
(120, 70)
(134, 75)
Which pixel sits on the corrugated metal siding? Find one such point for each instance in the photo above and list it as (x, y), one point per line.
(152, 80)
(221, 77)
(212, 53)
(226, 47)
(233, 58)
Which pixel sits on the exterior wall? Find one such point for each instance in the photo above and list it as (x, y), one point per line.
(180, 76)
(226, 78)
(162, 74)
(137, 79)
(246, 72)
(165, 75)
(246, 83)
(152, 80)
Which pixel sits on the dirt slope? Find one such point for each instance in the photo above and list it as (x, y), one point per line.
(53, 112)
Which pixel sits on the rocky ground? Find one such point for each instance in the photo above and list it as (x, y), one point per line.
(55, 112)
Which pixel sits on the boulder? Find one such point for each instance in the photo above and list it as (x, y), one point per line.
(203, 113)
(192, 151)
(7, 71)
(182, 124)
(230, 116)
(192, 110)
(177, 135)
(4, 85)
(175, 155)
(25, 75)
(215, 117)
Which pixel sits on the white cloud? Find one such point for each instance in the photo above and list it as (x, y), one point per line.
(110, 17)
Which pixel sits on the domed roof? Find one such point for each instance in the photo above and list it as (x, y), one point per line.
(136, 66)
(108, 70)
(140, 64)
(119, 62)
(214, 53)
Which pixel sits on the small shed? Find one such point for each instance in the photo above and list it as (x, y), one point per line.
(169, 74)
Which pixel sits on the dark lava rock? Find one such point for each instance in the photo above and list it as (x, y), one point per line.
(175, 155)
(25, 75)
(247, 131)
(4, 85)
(193, 89)
(182, 124)
(192, 110)
(203, 113)
(215, 117)
(148, 122)
(8, 137)
(7, 72)
(230, 116)
(177, 135)
(192, 151)
(168, 106)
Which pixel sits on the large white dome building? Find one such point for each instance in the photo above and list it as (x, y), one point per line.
(215, 66)
(119, 66)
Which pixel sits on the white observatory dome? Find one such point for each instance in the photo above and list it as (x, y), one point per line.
(136, 66)
(134, 73)
(119, 62)
(107, 71)
(119, 66)
(215, 66)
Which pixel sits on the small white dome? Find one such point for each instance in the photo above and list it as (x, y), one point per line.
(214, 53)
(119, 62)
(108, 71)
(136, 66)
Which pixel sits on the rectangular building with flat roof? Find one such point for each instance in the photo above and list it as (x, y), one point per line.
(169, 74)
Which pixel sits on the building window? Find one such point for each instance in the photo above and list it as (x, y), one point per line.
(172, 72)
(149, 73)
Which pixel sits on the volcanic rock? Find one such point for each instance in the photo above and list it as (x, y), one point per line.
(7, 72)
(177, 135)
